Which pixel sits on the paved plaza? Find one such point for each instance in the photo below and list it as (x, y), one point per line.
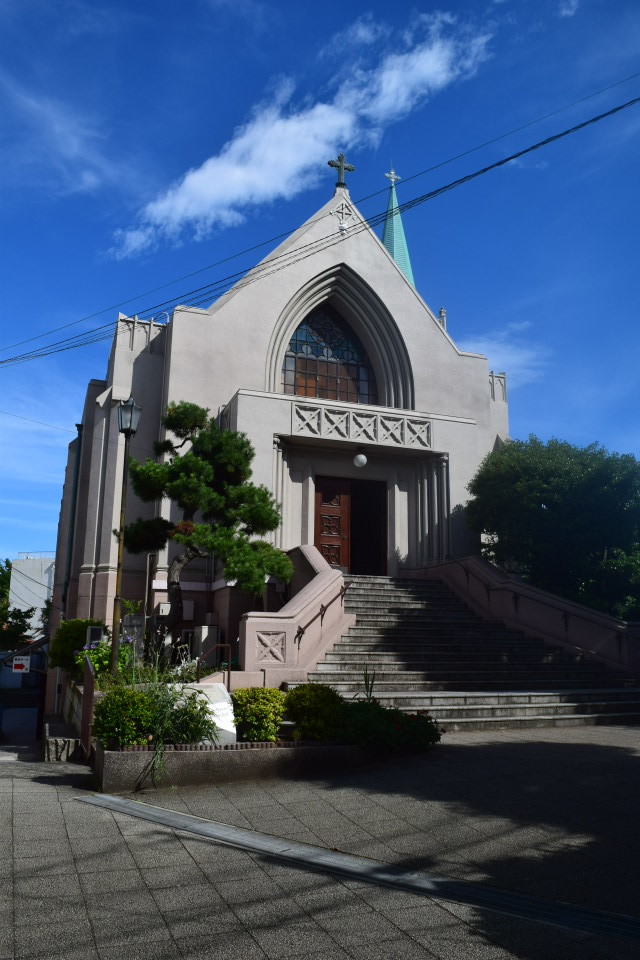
(551, 813)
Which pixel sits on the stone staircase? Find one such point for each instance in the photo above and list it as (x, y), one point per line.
(428, 651)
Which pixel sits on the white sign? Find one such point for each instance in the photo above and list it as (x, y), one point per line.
(21, 664)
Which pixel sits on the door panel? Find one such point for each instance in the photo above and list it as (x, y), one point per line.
(368, 553)
(333, 520)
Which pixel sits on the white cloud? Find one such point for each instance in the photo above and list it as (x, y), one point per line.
(53, 144)
(507, 350)
(363, 32)
(568, 8)
(281, 150)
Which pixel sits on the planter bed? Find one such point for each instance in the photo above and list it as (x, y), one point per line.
(119, 771)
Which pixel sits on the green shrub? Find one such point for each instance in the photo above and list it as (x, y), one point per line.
(316, 711)
(258, 713)
(159, 714)
(99, 654)
(180, 716)
(369, 724)
(123, 717)
(68, 641)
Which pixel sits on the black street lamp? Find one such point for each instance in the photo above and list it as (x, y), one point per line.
(128, 420)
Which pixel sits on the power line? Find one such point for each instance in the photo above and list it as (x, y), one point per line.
(275, 264)
(135, 447)
(27, 587)
(17, 416)
(22, 600)
(287, 233)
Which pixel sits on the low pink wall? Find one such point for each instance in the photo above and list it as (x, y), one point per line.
(284, 646)
(496, 595)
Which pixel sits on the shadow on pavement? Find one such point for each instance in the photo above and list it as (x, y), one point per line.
(551, 819)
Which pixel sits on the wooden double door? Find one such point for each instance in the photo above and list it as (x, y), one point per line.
(351, 524)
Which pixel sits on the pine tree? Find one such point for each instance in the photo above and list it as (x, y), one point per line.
(206, 472)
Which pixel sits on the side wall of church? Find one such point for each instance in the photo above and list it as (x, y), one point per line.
(135, 368)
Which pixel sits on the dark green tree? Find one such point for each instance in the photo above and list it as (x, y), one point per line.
(206, 472)
(14, 624)
(566, 518)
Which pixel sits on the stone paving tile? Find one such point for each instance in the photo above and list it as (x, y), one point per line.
(158, 878)
(129, 928)
(57, 849)
(106, 903)
(279, 909)
(284, 940)
(53, 939)
(6, 933)
(357, 926)
(105, 881)
(398, 948)
(158, 851)
(252, 888)
(84, 829)
(336, 953)
(198, 923)
(186, 897)
(29, 831)
(49, 866)
(234, 945)
(230, 863)
(156, 950)
(49, 910)
(113, 857)
(297, 880)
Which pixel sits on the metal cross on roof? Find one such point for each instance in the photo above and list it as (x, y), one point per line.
(341, 166)
(393, 176)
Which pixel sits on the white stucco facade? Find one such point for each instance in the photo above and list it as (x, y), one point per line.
(439, 411)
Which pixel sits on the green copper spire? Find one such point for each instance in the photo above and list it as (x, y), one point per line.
(393, 234)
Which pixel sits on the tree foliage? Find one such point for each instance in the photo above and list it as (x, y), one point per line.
(206, 472)
(15, 624)
(566, 518)
(67, 643)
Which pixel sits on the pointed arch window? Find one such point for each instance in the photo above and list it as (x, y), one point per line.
(325, 359)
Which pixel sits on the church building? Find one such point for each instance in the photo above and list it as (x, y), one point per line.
(366, 419)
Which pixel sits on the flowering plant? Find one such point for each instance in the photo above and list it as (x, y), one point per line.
(99, 654)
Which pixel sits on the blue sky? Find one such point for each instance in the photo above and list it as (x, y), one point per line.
(143, 142)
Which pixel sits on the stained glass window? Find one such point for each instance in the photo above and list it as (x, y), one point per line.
(325, 359)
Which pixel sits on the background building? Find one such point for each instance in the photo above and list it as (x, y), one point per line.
(31, 585)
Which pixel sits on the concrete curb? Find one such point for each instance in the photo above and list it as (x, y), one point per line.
(123, 771)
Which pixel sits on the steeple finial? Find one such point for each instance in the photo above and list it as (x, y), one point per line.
(393, 176)
(393, 237)
(341, 166)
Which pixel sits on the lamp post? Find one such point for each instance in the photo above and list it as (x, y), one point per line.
(128, 420)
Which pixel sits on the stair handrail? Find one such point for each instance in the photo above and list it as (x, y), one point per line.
(618, 630)
(585, 613)
(300, 632)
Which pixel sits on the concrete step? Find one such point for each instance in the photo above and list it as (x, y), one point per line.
(426, 654)
(437, 700)
(417, 684)
(399, 626)
(559, 708)
(542, 720)
(430, 652)
(425, 665)
(441, 646)
(346, 674)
